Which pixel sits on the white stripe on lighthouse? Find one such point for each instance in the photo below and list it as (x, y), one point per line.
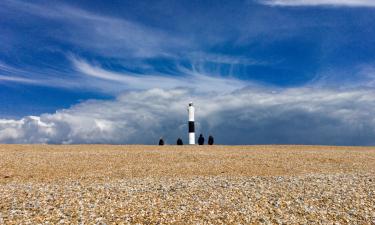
(191, 124)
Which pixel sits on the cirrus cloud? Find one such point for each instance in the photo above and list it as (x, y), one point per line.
(346, 3)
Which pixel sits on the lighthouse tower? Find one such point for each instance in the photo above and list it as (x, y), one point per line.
(191, 124)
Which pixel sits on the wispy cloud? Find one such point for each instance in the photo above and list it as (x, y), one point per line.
(114, 39)
(187, 79)
(10, 74)
(86, 76)
(19, 80)
(108, 36)
(223, 59)
(346, 3)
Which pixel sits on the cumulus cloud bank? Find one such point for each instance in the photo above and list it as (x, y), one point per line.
(247, 116)
(348, 3)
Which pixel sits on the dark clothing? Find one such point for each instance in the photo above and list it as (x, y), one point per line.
(161, 142)
(201, 140)
(179, 142)
(210, 140)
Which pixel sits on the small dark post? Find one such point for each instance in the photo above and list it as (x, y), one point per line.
(210, 140)
(179, 142)
(201, 140)
(161, 141)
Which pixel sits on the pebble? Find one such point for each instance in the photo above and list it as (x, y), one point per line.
(307, 199)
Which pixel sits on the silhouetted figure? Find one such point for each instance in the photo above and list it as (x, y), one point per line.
(161, 141)
(210, 140)
(179, 142)
(201, 140)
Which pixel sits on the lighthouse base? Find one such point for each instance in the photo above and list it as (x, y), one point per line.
(191, 138)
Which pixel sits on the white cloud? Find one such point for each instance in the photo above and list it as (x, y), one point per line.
(86, 76)
(248, 116)
(17, 79)
(222, 59)
(187, 79)
(10, 74)
(106, 35)
(346, 3)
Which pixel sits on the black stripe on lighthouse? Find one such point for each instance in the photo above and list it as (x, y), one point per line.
(191, 127)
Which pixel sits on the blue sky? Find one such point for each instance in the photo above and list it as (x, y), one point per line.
(69, 57)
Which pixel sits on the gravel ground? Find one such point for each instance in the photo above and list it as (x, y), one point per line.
(331, 194)
(319, 199)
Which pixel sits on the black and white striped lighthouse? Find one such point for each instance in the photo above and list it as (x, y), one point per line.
(191, 124)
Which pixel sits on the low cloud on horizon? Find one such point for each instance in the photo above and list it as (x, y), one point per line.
(247, 116)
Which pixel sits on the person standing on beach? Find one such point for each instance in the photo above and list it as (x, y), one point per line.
(201, 140)
(161, 141)
(210, 140)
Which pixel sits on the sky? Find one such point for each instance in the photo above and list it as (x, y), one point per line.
(123, 72)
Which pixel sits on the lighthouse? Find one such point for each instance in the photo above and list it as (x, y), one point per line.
(191, 124)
